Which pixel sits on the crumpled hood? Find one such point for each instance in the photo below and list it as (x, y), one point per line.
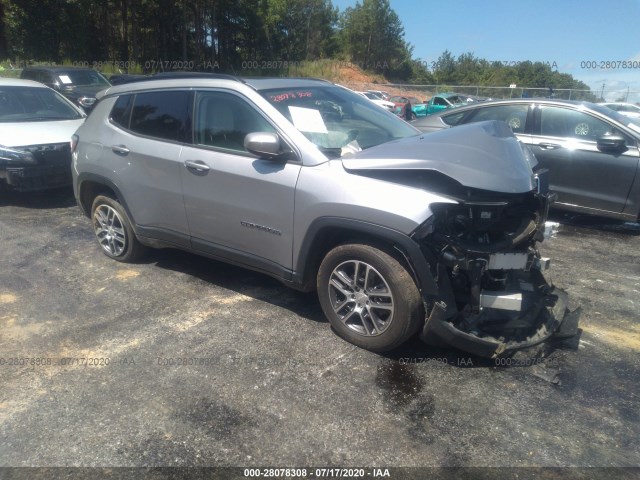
(483, 155)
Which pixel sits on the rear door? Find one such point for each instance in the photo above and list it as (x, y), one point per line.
(149, 132)
(565, 142)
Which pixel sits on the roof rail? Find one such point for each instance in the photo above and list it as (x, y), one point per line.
(183, 74)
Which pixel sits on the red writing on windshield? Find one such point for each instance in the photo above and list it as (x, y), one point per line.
(281, 97)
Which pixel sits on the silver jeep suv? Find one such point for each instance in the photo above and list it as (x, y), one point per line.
(304, 180)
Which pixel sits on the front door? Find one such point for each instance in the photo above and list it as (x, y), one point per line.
(565, 142)
(238, 206)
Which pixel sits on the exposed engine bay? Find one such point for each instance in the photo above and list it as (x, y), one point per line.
(493, 297)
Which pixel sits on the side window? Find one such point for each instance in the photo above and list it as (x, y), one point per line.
(30, 75)
(224, 119)
(563, 122)
(453, 119)
(513, 115)
(162, 114)
(121, 112)
(440, 101)
(46, 77)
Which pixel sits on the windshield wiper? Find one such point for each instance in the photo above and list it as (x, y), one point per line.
(331, 152)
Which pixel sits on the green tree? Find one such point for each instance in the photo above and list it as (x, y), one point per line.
(299, 29)
(372, 36)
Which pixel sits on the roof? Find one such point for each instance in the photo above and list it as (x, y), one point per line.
(56, 68)
(18, 82)
(448, 94)
(203, 80)
(268, 83)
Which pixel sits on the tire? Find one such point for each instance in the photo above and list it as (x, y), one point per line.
(582, 129)
(378, 316)
(113, 230)
(515, 123)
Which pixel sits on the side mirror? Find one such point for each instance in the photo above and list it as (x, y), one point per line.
(613, 143)
(265, 145)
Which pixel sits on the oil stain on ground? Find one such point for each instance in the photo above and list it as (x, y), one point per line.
(399, 383)
(216, 419)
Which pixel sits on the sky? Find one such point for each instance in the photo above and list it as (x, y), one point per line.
(566, 33)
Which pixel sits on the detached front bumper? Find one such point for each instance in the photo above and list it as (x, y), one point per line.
(555, 321)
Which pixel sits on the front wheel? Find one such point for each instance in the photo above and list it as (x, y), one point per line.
(369, 297)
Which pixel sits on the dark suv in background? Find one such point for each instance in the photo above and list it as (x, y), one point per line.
(79, 85)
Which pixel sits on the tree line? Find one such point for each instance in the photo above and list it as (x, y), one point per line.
(264, 36)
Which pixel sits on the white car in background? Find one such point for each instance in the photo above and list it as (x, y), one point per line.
(628, 109)
(378, 101)
(36, 125)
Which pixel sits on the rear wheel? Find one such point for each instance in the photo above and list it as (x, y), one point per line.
(369, 297)
(113, 230)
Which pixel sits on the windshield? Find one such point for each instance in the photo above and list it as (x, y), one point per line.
(337, 120)
(623, 107)
(82, 77)
(632, 123)
(33, 104)
(456, 100)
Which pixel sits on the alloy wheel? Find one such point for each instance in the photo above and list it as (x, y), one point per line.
(361, 298)
(110, 230)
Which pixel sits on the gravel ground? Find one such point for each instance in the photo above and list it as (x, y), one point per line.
(191, 362)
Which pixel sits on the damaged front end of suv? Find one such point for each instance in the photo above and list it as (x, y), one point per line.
(493, 297)
(481, 244)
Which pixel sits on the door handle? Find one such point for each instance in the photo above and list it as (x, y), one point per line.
(548, 146)
(120, 149)
(197, 165)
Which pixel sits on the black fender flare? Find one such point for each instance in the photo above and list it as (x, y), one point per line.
(405, 245)
(99, 179)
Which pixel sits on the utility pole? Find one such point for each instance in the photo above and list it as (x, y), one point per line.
(602, 92)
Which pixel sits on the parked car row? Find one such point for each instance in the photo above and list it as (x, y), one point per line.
(378, 101)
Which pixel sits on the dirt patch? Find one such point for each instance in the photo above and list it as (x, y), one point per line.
(13, 330)
(200, 316)
(628, 338)
(124, 275)
(8, 298)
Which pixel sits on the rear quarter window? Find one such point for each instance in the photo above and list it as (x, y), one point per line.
(121, 111)
(164, 115)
